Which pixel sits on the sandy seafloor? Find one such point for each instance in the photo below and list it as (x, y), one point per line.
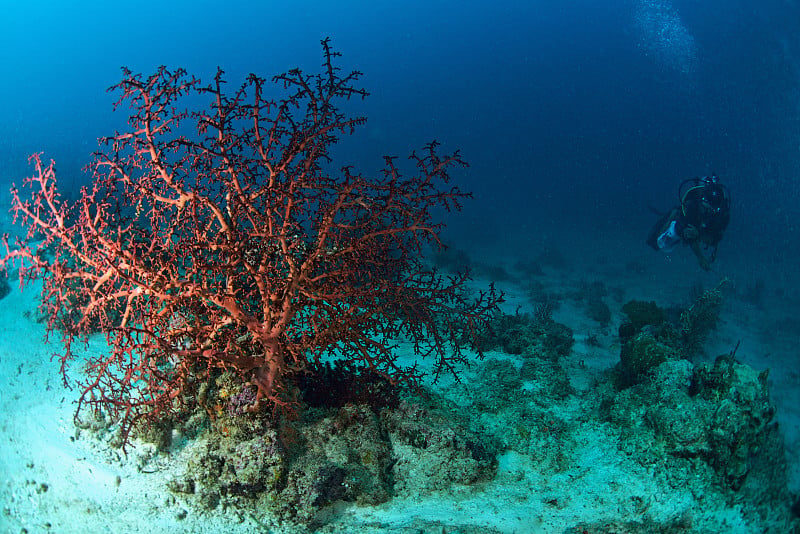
(52, 482)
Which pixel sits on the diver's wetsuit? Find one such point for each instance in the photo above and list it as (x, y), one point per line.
(694, 221)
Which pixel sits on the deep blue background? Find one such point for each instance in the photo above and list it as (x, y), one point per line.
(570, 113)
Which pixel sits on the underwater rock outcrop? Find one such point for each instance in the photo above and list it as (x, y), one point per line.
(649, 337)
(719, 414)
(700, 424)
(707, 424)
(294, 471)
(524, 333)
(639, 355)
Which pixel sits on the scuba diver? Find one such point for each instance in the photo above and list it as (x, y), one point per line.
(700, 219)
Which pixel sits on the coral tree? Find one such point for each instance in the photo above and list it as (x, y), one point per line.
(222, 237)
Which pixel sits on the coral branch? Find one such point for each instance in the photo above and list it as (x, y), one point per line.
(237, 247)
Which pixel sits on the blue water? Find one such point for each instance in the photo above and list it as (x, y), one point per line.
(578, 117)
(576, 113)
